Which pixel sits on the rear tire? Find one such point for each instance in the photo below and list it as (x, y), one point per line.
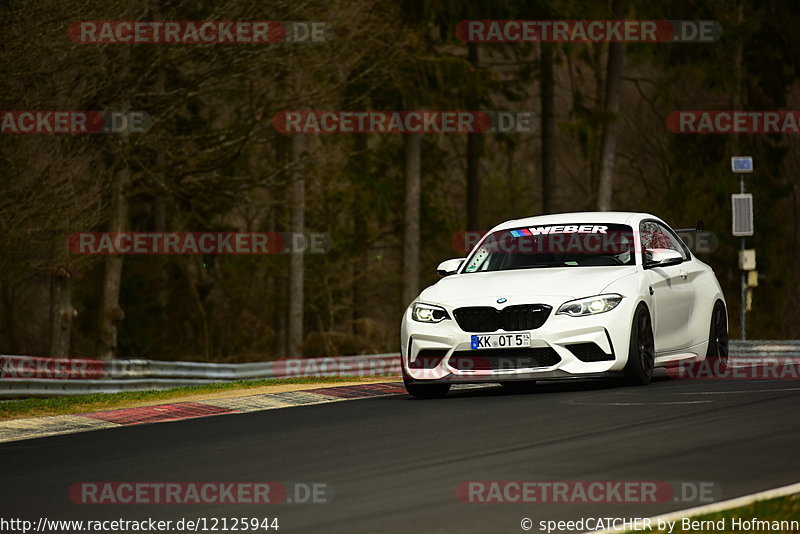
(641, 350)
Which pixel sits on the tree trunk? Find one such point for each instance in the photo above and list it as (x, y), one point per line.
(411, 221)
(616, 60)
(548, 129)
(61, 313)
(297, 259)
(111, 314)
(160, 262)
(474, 152)
(271, 282)
(160, 211)
(280, 295)
(192, 270)
(360, 264)
(8, 308)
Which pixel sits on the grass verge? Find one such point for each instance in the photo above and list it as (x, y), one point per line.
(14, 409)
(773, 511)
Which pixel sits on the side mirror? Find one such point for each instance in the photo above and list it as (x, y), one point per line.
(448, 267)
(662, 257)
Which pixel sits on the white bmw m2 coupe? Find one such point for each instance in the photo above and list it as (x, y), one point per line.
(574, 295)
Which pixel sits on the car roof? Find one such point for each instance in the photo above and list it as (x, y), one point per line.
(582, 217)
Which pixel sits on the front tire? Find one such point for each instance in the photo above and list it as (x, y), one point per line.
(427, 391)
(717, 353)
(519, 386)
(641, 350)
(423, 391)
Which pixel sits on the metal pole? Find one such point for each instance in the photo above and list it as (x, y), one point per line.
(743, 317)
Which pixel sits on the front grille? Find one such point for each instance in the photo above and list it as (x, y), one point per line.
(428, 359)
(511, 318)
(589, 352)
(503, 359)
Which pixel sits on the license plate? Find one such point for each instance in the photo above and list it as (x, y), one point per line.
(501, 341)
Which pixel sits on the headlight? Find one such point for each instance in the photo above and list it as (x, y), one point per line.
(428, 313)
(590, 305)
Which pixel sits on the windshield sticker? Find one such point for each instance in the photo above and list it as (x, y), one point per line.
(571, 229)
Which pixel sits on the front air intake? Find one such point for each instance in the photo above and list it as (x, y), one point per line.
(589, 352)
(428, 359)
(510, 319)
(504, 359)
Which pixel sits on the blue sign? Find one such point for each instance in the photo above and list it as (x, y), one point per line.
(741, 164)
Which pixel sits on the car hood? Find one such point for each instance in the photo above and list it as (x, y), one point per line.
(520, 286)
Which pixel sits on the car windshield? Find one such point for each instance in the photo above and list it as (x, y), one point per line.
(569, 245)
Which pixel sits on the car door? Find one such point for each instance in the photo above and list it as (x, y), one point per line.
(671, 289)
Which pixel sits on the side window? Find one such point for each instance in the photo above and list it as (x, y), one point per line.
(655, 235)
(672, 241)
(650, 237)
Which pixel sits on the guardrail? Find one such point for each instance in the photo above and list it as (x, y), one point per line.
(28, 376)
(775, 348)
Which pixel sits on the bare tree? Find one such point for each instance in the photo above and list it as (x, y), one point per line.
(474, 152)
(297, 260)
(616, 60)
(62, 312)
(111, 314)
(548, 128)
(411, 222)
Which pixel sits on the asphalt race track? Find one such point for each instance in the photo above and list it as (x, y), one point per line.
(394, 463)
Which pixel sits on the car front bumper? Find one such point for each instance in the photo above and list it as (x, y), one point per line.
(610, 331)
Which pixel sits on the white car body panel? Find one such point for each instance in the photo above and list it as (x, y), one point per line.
(680, 306)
